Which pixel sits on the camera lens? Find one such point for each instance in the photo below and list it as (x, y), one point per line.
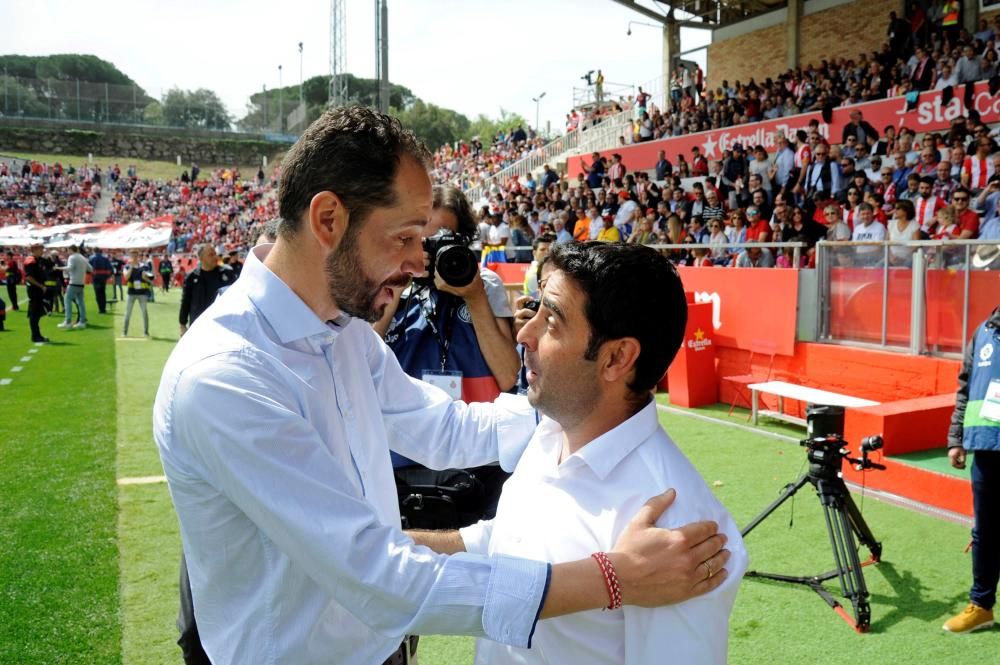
(456, 264)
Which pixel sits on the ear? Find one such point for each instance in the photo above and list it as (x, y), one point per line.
(618, 358)
(327, 219)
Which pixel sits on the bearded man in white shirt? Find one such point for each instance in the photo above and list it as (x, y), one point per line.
(594, 352)
(275, 416)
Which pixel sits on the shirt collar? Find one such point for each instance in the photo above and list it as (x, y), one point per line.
(607, 451)
(284, 311)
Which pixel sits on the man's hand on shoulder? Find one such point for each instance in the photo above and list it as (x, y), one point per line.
(663, 566)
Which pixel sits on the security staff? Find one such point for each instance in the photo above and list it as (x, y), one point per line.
(36, 268)
(103, 271)
(13, 279)
(54, 283)
(975, 426)
(202, 285)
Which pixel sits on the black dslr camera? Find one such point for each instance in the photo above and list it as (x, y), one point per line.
(451, 258)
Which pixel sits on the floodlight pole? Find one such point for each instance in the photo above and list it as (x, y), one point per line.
(301, 81)
(281, 103)
(537, 100)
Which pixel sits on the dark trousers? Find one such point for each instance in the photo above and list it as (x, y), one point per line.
(12, 295)
(189, 641)
(986, 533)
(101, 293)
(36, 310)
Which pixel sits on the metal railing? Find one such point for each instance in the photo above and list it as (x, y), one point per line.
(602, 136)
(916, 296)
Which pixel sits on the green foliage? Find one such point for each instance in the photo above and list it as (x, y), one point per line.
(434, 125)
(153, 114)
(65, 67)
(200, 108)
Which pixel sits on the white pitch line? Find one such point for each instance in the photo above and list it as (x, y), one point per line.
(32, 350)
(25, 359)
(16, 368)
(5, 382)
(143, 480)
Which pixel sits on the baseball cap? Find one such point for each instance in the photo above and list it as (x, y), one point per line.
(753, 211)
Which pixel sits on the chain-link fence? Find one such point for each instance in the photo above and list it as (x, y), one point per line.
(88, 102)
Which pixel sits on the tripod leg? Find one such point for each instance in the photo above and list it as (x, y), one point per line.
(845, 552)
(861, 527)
(787, 492)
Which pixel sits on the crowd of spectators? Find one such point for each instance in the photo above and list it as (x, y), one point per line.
(216, 207)
(468, 164)
(920, 55)
(38, 193)
(946, 186)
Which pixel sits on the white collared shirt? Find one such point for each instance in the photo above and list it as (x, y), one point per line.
(564, 512)
(274, 430)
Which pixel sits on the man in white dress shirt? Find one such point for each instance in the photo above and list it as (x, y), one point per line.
(594, 352)
(275, 416)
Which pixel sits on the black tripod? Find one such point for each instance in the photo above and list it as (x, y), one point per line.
(843, 523)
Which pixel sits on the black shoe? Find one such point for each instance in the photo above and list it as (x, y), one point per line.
(40, 340)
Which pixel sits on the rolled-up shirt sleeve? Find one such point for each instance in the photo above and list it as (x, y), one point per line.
(240, 434)
(424, 424)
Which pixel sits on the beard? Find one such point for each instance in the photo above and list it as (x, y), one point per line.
(350, 287)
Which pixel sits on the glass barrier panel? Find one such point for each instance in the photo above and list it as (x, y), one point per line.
(855, 295)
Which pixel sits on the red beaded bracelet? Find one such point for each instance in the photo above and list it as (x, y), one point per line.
(610, 580)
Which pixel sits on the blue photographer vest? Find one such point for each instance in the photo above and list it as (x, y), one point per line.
(979, 433)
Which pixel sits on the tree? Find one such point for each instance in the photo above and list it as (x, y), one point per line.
(198, 108)
(434, 125)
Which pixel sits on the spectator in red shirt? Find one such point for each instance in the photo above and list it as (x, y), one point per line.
(759, 230)
(699, 165)
(966, 218)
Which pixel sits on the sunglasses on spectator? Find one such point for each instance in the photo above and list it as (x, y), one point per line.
(960, 198)
(851, 139)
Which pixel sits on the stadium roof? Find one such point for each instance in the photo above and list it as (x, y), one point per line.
(705, 14)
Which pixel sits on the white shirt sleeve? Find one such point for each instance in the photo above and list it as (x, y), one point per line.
(249, 443)
(496, 294)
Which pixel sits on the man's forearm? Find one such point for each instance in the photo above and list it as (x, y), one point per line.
(442, 542)
(496, 344)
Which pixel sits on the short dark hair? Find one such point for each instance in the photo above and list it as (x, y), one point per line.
(543, 238)
(352, 151)
(907, 207)
(451, 198)
(615, 280)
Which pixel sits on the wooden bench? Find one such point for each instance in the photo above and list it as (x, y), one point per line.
(783, 389)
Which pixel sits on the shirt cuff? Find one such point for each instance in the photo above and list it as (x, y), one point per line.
(514, 598)
(476, 537)
(516, 420)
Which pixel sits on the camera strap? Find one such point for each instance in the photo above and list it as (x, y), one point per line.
(429, 311)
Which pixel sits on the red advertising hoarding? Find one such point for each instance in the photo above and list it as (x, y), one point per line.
(748, 304)
(928, 115)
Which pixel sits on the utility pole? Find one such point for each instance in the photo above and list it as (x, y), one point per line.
(281, 103)
(302, 98)
(537, 100)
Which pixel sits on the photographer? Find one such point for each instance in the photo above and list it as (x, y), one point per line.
(139, 277)
(460, 339)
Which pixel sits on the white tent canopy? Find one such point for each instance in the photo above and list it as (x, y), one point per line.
(138, 235)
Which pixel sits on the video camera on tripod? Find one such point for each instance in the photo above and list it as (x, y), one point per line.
(827, 451)
(827, 448)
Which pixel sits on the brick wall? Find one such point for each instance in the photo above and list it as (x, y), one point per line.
(755, 55)
(843, 31)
